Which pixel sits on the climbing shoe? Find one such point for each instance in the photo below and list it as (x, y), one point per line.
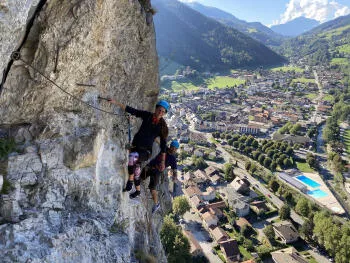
(155, 208)
(135, 194)
(128, 186)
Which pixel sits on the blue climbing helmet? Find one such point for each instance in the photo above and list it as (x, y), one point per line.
(175, 143)
(163, 104)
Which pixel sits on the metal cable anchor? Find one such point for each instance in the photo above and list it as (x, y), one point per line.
(16, 55)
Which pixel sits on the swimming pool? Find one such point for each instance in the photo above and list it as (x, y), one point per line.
(308, 181)
(317, 193)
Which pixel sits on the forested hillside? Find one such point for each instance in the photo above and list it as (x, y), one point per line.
(189, 38)
(327, 43)
(255, 30)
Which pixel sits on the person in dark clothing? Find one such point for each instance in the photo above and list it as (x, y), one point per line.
(152, 170)
(153, 126)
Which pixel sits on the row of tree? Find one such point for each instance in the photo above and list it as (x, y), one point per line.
(290, 128)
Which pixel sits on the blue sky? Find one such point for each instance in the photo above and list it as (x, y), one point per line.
(271, 12)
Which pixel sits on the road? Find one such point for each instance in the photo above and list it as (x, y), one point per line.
(318, 99)
(193, 224)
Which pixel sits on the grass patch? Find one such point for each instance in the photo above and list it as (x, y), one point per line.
(252, 30)
(304, 167)
(344, 48)
(347, 141)
(303, 80)
(6, 187)
(244, 252)
(311, 96)
(288, 69)
(220, 255)
(178, 86)
(6, 146)
(340, 61)
(250, 117)
(222, 82)
(329, 97)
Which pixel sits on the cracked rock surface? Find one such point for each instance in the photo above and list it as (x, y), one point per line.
(65, 202)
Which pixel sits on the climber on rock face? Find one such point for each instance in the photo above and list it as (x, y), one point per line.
(153, 170)
(153, 126)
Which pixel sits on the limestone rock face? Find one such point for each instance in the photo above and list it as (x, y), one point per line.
(65, 202)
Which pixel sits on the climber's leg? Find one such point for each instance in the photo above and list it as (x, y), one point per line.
(133, 158)
(153, 182)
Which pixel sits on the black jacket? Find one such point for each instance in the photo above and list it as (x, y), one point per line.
(148, 131)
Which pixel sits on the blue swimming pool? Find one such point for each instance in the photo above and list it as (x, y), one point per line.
(308, 181)
(317, 193)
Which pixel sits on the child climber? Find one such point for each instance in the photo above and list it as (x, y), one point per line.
(153, 126)
(153, 170)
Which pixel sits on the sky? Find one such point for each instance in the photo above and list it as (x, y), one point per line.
(274, 12)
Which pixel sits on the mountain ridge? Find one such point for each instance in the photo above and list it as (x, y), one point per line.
(256, 30)
(190, 38)
(295, 27)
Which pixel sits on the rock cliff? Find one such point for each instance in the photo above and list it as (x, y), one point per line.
(65, 201)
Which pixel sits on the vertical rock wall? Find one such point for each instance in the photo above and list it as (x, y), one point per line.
(66, 203)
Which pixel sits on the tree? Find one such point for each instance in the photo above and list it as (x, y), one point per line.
(246, 230)
(261, 158)
(306, 229)
(248, 165)
(200, 163)
(274, 185)
(267, 162)
(287, 163)
(289, 151)
(303, 207)
(175, 244)
(228, 170)
(284, 212)
(273, 166)
(236, 144)
(288, 196)
(255, 144)
(295, 129)
(269, 232)
(256, 155)
(270, 153)
(180, 205)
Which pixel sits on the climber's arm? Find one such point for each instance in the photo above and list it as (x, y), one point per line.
(117, 103)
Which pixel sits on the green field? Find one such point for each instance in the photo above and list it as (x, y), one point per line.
(178, 86)
(252, 30)
(340, 61)
(347, 141)
(344, 48)
(221, 82)
(304, 167)
(334, 32)
(328, 97)
(286, 69)
(303, 80)
(311, 96)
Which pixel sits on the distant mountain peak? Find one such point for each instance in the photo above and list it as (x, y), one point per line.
(296, 26)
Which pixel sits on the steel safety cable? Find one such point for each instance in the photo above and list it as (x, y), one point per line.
(17, 56)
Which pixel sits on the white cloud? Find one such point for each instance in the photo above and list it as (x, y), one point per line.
(320, 10)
